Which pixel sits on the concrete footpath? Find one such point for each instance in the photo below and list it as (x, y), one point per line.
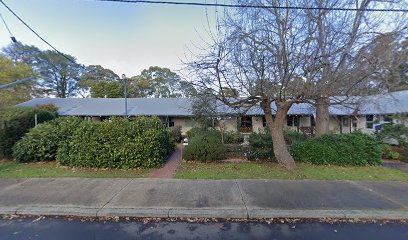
(204, 198)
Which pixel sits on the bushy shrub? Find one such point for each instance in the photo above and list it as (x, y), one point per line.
(385, 150)
(15, 122)
(176, 133)
(404, 152)
(394, 155)
(233, 138)
(118, 143)
(235, 151)
(205, 146)
(196, 131)
(397, 132)
(47, 107)
(356, 149)
(260, 147)
(292, 137)
(41, 143)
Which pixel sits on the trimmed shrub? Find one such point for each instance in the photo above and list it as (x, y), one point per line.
(356, 149)
(205, 146)
(118, 143)
(41, 143)
(15, 122)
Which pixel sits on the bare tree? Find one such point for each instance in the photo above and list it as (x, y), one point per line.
(259, 53)
(340, 37)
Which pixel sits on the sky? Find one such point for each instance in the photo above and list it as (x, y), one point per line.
(125, 38)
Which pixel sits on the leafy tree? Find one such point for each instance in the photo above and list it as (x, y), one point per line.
(10, 72)
(187, 89)
(156, 82)
(19, 52)
(107, 90)
(100, 82)
(59, 75)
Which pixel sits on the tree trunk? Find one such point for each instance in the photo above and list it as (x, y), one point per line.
(322, 116)
(280, 149)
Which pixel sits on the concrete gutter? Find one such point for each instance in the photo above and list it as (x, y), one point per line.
(244, 199)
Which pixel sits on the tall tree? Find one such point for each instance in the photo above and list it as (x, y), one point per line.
(156, 82)
(385, 63)
(19, 52)
(260, 53)
(10, 72)
(59, 76)
(187, 89)
(100, 82)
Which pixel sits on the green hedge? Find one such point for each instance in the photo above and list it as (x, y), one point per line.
(118, 143)
(41, 143)
(356, 149)
(205, 146)
(15, 122)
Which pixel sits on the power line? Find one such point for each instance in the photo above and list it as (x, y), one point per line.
(33, 31)
(8, 29)
(16, 82)
(253, 6)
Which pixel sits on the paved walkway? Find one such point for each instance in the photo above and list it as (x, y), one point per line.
(168, 170)
(204, 198)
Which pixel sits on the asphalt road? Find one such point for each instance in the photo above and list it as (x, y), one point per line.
(61, 229)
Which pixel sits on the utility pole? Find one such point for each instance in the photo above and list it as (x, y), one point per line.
(125, 82)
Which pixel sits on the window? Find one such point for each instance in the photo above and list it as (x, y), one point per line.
(292, 121)
(370, 121)
(169, 122)
(388, 118)
(246, 124)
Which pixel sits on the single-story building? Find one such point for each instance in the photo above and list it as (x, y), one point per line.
(360, 113)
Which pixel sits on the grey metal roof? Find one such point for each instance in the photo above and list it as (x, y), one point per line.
(116, 106)
(391, 103)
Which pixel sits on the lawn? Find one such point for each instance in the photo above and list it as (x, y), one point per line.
(197, 170)
(52, 169)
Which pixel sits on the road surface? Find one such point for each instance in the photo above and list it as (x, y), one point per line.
(61, 229)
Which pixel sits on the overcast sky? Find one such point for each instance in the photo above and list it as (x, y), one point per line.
(126, 38)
